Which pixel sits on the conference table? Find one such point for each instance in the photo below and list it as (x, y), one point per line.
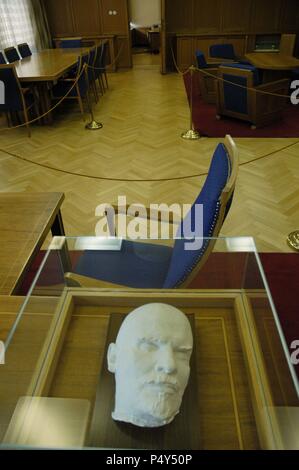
(274, 64)
(44, 68)
(25, 220)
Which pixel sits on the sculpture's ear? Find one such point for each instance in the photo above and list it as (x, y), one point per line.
(111, 357)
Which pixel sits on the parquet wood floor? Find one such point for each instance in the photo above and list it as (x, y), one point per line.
(144, 114)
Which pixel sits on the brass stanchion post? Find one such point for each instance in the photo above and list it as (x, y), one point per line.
(293, 240)
(93, 125)
(191, 134)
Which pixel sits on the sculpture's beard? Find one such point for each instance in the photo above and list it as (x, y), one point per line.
(154, 403)
(160, 403)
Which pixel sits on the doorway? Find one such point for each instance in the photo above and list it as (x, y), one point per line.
(145, 30)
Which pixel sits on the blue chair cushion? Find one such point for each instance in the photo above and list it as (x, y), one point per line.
(70, 43)
(140, 265)
(183, 261)
(254, 70)
(222, 51)
(235, 97)
(201, 60)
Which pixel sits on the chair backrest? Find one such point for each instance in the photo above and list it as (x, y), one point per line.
(223, 51)
(216, 198)
(83, 80)
(71, 43)
(2, 59)
(13, 94)
(200, 59)
(24, 50)
(91, 63)
(233, 89)
(287, 44)
(98, 60)
(11, 54)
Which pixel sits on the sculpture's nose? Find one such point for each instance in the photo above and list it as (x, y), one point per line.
(166, 361)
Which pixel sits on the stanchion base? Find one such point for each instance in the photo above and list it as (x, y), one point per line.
(93, 126)
(191, 135)
(293, 240)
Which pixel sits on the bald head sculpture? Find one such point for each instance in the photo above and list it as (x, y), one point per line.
(150, 360)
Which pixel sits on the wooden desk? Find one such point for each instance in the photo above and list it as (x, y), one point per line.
(46, 66)
(272, 61)
(25, 220)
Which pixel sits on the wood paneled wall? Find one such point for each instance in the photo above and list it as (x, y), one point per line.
(195, 24)
(91, 19)
(232, 16)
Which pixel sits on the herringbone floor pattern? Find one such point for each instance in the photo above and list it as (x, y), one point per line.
(144, 114)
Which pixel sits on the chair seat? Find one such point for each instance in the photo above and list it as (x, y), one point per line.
(62, 88)
(139, 265)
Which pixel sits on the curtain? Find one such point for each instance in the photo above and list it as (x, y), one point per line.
(16, 23)
(24, 21)
(40, 25)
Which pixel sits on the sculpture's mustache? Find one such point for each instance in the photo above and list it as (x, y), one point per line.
(162, 381)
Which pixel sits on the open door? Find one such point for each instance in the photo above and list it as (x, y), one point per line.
(163, 37)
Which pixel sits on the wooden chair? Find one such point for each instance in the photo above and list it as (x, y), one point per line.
(2, 59)
(17, 99)
(241, 97)
(80, 90)
(24, 50)
(206, 81)
(147, 265)
(287, 44)
(11, 54)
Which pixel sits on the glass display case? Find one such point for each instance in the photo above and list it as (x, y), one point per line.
(54, 377)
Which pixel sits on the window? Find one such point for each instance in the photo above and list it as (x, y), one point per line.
(16, 24)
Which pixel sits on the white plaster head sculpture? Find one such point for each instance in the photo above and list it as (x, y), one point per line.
(150, 360)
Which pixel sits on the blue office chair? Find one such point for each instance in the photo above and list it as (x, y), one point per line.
(234, 98)
(17, 99)
(80, 90)
(143, 265)
(24, 50)
(71, 43)
(2, 59)
(223, 51)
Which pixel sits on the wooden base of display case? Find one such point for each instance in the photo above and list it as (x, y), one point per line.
(234, 403)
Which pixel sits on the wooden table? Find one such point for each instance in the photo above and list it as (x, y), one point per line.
(272, 61)
(274, 65)
(25, 220)
(47, 66)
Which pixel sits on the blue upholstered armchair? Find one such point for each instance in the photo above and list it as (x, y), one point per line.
(239, 95)
(223, 51)
(148, 265)
(206, 81)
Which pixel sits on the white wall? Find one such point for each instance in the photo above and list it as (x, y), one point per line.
(145, 12)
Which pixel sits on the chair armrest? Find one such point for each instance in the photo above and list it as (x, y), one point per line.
(274, 85)
(76, 280)
(25, 90)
